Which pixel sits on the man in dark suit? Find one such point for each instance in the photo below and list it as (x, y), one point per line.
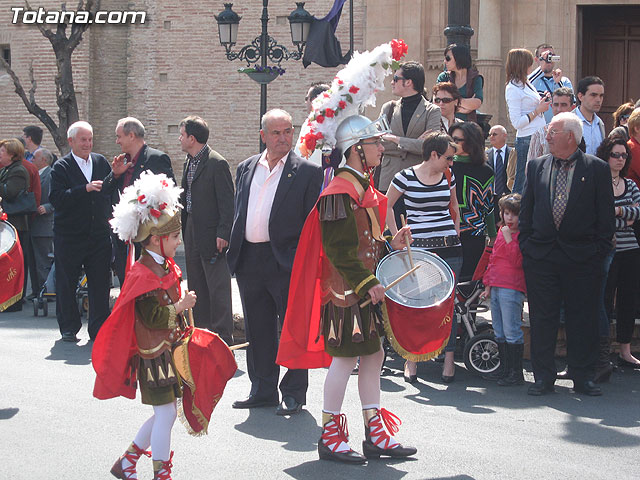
(275, 191)
(207, 216)
(137, 157)
(502, 159)
(566, 229)
(81, 232)
(41, 226)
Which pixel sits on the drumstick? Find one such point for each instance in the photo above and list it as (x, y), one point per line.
(406, 240)
(239, 346)
(392, 284)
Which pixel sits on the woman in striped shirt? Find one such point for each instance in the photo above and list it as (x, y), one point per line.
(429, 192)
(624, 273)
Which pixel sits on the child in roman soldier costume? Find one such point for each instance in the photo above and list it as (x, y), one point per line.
(146, 339)
(334, 268)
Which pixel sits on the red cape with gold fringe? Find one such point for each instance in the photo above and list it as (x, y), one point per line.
(12, 268)
(211, 360)
(298, 345)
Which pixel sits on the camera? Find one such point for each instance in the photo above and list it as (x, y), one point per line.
(550, 58)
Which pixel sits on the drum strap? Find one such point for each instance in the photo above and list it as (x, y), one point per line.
(375, 223)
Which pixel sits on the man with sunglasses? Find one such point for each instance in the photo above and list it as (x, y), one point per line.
(408, 119)
(545, 78)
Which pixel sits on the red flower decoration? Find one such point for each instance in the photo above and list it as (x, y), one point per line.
(141, 199)
(342, 104)
(163, 205)
(4, 217)
(155, 213)
(319, 136)
(319, 119)
(353, 89)
(340, 82)
(310, 141)
(325, 95)
(329, 113)
(398, 49)
(164, 183)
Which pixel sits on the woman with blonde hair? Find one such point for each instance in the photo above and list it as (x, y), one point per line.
(525, 106)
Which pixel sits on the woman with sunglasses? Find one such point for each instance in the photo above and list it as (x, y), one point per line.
(460, 71)
(429, 194)
(623, 280)
(526, 108)
(447, 97)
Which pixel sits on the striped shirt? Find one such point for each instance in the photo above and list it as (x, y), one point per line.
(427, 205)
(625, 237)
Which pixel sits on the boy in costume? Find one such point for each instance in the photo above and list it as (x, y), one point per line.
(334, 270)
(145, 338)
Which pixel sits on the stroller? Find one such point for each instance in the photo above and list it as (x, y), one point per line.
(48, 291)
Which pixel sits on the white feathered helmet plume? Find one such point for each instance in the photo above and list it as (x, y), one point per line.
(151, 206)
(352, 89)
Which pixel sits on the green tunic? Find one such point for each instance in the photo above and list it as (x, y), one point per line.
(155, 316)
(340, 240)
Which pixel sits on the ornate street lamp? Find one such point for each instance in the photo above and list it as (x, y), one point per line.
(263, 47)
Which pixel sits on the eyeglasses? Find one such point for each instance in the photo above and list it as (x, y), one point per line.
(447, 58)
(398, 77)
(448, 158)
(458, 139)
(622, 155)
(494, 134)
(625, 117)
(376, 142)
(444, 100)
(552, 132)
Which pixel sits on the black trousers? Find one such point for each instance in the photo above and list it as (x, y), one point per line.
(71, 256)
(211, 280)
(623, 283)
(264, 289)
(552, 282)
(472, 250)
(119, 255)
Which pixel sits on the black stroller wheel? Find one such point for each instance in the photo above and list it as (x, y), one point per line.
(481, 354)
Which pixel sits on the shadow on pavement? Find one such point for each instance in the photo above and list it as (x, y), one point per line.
(7, 413)
(295, 431)
(380, 468)
(71, 353)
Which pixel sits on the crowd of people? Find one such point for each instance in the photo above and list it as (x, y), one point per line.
(560, 209)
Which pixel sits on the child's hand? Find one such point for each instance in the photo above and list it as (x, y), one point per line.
(186, 302)
(506, 233)
(486, 293)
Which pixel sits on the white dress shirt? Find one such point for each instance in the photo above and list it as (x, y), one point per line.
(85, 165)
(261, 194)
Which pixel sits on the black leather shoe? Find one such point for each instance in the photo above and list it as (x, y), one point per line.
(540, 387)
(288, 406)
(623, 363)
(408, 377)
(372, 451)
(351, 456)
(588, 388)
(448, 378)
(254, 402)
(70, 337)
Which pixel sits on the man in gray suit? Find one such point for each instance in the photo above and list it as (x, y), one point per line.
(42, 223)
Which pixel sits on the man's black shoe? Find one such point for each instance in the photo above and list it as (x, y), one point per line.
(288, 406)
(70, 337)
(253, 402)
(588, 388)
(540, 387)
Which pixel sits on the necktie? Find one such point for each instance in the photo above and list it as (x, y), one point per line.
(560, 197)
(501, 176)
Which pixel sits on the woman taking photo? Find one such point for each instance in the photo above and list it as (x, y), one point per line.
(14, 179)
(429, 193)
(460, 72)
(447, 97)
(526, 108)
(623, 280)
(475, 194)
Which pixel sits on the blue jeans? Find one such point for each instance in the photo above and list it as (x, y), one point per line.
(506, 314)
(522, 149)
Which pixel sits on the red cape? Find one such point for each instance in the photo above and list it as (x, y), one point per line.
(116, 342)
(12, 268)
(298, 346)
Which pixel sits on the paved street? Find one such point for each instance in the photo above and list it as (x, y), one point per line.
(52, 427)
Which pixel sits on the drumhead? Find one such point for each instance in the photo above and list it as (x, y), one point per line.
(429, 285)
(7, 237)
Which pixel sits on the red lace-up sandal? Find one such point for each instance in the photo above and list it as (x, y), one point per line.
(380, 426)
(162, 469)
(131, 455)
(334, 441)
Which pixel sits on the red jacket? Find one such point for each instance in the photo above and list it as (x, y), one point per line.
(634, 166)
(505, 265)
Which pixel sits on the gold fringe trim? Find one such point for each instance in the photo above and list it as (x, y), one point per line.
(364, 282)
(405, 353)
(11, 301)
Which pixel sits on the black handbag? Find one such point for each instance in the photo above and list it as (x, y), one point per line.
(23, 204)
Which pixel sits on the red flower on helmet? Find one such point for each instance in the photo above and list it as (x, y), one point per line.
(342, 104)
(142, 199)
(163, 205)
(4, 217)
(340, 82)
(319, 119)
(310, 141)
(353, 89)
(398, 48)
(155, 213)
(329, 113)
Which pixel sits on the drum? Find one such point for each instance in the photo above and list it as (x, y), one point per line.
(419, 307)
(11, 266)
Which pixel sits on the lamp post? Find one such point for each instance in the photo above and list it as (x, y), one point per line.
(263, 47)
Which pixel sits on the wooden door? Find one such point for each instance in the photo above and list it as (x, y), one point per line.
(611, 50)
